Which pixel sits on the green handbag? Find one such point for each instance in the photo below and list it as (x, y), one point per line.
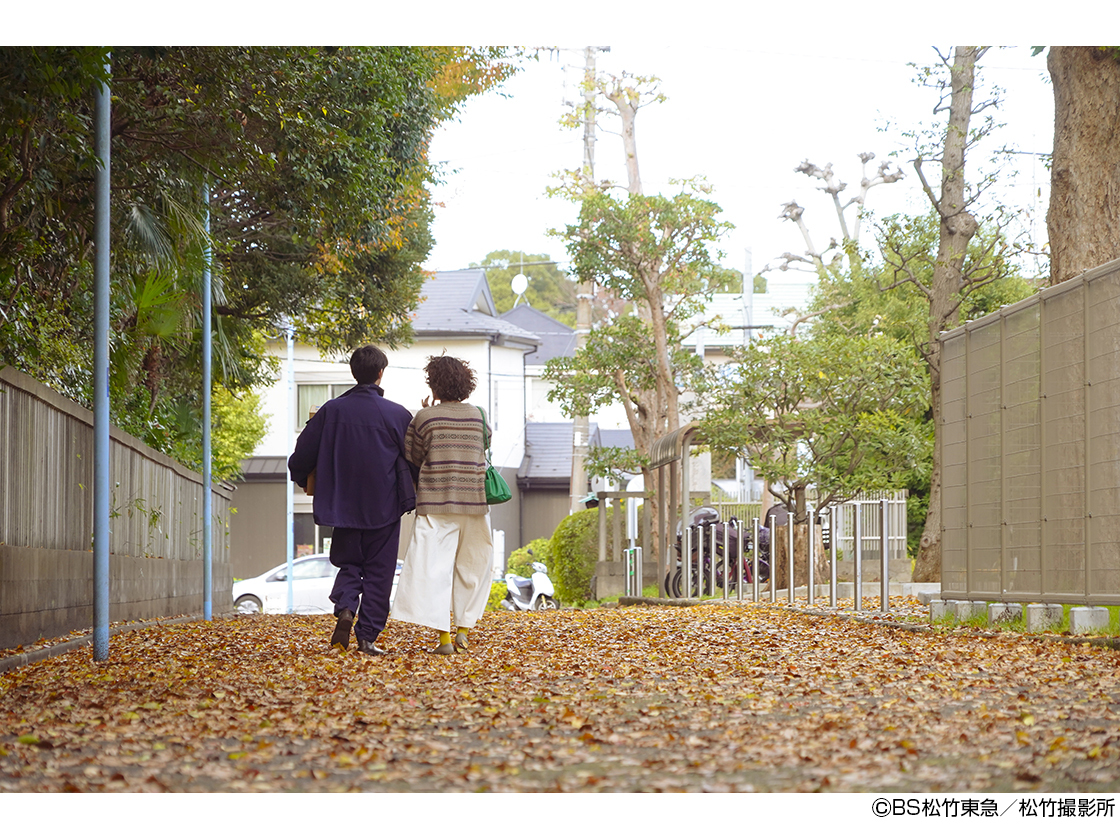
(497, 491)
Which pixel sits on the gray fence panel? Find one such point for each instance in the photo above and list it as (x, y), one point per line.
(1022, 435)
(46, 521)
(1063, 389)
(1030, 448)
(984, 451)
(954, 466)
(1103, 556)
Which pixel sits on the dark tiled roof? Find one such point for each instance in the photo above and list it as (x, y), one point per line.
(548, 455)
(548, 452)
(266, 468)
(459, 303)
(557, 339)
(620, 438)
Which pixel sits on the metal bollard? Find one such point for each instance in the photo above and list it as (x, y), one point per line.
(812, 558)
(833, 530)
(713, 553)
(754, 561)
(773, 560)
(686, 564)
(789, 544)
(884, 543)
(739, 561)
(858, 531)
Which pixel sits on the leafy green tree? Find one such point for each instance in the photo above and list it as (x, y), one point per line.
(655, 252)
(550, 289)
(839, 413)
(316, 164)
(836, 412)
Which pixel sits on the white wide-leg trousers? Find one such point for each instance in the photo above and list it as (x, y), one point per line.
(447, 571)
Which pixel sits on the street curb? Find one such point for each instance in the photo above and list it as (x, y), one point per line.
(1094, 641)
(12, 662)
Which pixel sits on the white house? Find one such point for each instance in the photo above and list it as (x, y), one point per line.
(456, 316)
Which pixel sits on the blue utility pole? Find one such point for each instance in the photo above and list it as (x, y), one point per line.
(207, 501)
(101, 466)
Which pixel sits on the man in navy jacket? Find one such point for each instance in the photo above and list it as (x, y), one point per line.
(354, 446)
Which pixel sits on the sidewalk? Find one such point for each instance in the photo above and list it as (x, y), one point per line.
(723, 697)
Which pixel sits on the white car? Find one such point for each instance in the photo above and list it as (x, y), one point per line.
(312, 581)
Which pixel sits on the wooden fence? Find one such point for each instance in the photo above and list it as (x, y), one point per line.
(46, 522)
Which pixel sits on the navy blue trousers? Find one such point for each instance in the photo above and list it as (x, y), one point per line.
(367, 561)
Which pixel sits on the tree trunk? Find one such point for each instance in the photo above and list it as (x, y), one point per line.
(958, 226)
(779, 554)
(1084, 216)
(927, 565)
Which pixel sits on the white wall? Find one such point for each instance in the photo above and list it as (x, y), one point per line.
(500, 389)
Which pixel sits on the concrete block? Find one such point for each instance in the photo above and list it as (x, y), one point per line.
(1041, 617)
(938, 610)
(1004, 613)
(1088, 619)
(925, 595)
(964, 610)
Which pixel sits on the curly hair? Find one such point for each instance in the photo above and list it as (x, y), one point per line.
(449, 378)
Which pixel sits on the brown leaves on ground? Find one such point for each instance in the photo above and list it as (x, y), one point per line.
(726, 697)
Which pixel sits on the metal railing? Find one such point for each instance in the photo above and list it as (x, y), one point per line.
(869, 529)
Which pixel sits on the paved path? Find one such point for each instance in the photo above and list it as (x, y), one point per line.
(735, 697)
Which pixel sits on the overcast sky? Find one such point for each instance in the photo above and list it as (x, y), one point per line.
(743, 118)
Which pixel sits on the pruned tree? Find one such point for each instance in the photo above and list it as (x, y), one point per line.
(842, 253)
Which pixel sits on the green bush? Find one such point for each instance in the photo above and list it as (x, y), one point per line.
(497, 593)
(521, 560)
(573, 553)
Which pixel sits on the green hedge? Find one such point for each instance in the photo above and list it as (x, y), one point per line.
(521, 560)
(573, 553)
(497, 593)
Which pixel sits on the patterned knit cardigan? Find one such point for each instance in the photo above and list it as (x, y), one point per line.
(446, 442)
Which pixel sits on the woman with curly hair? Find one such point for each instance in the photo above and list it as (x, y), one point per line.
(447, 570)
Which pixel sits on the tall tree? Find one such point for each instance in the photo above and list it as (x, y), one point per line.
(953, 275)
(1083, 221)
(657, 253)
(316, 160)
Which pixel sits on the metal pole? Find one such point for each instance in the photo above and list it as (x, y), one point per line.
(101, 464)
(739, 561)
(713, 553)
(686, 564)
(884, 560)
(292, 408)
(754, 560)
(726, 550)
(833, 540)
(773, 558)
(858, 593)
(207, 477)
(789, 558)
(812, 556)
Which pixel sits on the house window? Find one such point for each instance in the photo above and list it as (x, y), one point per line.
(313, 396)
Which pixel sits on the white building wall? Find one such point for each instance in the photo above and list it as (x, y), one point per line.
(500, 389)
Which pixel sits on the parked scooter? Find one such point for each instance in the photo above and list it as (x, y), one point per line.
(531, 593)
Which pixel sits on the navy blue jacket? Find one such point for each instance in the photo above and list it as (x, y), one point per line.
(355, 445)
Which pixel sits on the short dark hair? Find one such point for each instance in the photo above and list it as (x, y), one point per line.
(449, 378)
(367, 363)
